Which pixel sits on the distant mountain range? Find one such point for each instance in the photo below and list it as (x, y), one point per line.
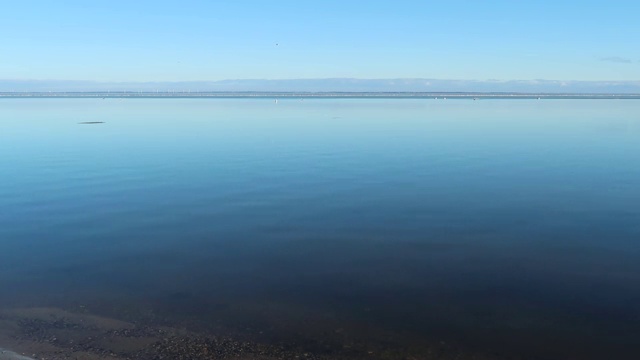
(332, 85)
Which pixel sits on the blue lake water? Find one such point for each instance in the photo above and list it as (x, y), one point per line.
(502, 227)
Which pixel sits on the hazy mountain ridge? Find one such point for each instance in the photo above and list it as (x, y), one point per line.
(332, 85)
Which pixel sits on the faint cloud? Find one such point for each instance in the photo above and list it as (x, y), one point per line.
(616, 59)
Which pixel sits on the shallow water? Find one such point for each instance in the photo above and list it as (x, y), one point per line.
(501, 227)
(10, 355)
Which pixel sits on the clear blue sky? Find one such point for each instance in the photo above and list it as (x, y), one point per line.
(213, 40)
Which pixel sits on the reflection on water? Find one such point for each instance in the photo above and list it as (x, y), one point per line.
(496, 227)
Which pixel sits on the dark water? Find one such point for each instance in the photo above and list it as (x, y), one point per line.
(508, 227)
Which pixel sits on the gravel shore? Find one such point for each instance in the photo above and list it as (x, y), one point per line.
(55, 334)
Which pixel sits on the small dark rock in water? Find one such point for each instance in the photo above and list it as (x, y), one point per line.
(91, 122)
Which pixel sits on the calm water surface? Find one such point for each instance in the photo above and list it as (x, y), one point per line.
(506, 227)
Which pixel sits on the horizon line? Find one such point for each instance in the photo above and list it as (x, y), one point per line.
(317, 94)
(328, 85)
(317, 78)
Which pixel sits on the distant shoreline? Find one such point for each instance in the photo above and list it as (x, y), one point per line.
(302, 95)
